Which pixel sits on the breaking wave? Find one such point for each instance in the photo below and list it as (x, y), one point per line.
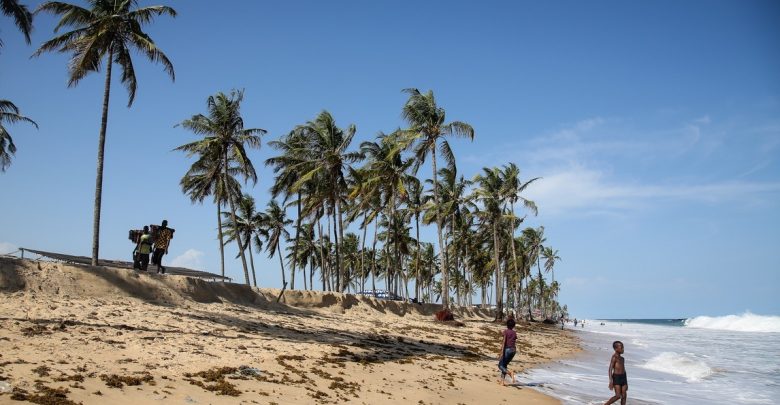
(684, 366)
(747, 322)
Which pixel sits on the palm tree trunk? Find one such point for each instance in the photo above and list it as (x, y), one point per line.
(514, 261)
(252, 261)
(341, 238)
(281, 263)
(541, 287)
(322, 253)
(295, 248)
(235, 221)
(101, 150)
(499, 299)
(363, 254)
(336, 245)
(442, 249)
(417, 263)
(373, 257)
(528, 292)
(221, 241)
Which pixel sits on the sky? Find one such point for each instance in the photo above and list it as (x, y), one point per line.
(654, 126)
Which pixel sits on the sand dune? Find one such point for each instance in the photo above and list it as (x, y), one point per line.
(101, 335)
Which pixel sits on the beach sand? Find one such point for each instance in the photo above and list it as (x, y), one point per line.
(101, 335)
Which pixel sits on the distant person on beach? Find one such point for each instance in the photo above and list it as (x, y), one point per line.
(161, 243)
(617, 375)
(575, 322)
(143, 249)
(508, 349)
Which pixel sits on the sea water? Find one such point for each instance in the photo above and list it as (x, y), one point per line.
(702, 360)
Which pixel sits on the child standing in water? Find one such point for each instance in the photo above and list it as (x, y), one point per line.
(508, 350)
(617, 374)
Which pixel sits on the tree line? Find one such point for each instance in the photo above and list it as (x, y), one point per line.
(332, 184)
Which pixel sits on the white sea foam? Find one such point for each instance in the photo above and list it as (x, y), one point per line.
(747, 322)
(679, 364)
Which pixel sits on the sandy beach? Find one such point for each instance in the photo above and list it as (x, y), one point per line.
(77, 334)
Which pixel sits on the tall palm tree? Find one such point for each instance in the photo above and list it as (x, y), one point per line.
(9, 113)
(326, 158)
(275, 225)
(225, 139)
(490, 193)
(206, 178)
(513, 187)
(108, 31)
(20, 14)
(428, 131)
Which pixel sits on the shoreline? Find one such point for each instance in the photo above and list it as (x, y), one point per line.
(105, 335)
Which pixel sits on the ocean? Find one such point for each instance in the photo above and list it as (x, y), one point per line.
(703, 360)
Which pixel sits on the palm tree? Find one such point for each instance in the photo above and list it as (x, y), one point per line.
(275, 225)
(550, 258)
(512, 189)
(490, 193)
(427, 130)
(387, 175)
(106, 32)
(225, 139)
(250, 225)
(414, 205)
(292, 148)
(325, 160)
(9, 113)
(205, 178)
(534, 243)
(20, 14)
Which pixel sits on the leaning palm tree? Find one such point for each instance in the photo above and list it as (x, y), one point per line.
(9, 114)
(427, 131)
(225, 139)
(20, 14)
(106, 32)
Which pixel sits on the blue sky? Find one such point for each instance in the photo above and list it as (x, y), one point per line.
(655, 127)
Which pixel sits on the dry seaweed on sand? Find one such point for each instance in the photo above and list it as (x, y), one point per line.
(119, 381)
(216, 376)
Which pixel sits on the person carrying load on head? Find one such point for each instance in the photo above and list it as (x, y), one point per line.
(161, 243)
(143, 249)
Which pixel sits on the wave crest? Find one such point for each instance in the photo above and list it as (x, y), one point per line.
(684, 366)
(747, 322)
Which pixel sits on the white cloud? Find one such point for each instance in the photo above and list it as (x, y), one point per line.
(7, 247)
(191, 259)
(583, 189)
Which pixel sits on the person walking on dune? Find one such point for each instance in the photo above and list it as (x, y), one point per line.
(143, 249)
(508, 349)
(617, 375)
(161, 243)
